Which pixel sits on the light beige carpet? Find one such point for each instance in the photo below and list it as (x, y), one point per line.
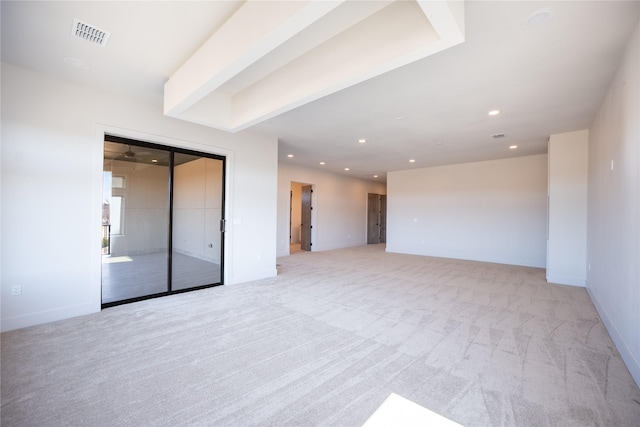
(325, 343)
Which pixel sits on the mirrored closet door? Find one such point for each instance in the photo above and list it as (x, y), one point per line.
(161, 214)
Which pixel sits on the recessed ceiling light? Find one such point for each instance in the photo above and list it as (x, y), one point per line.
(289, 155)
(375, 176)
(513, 147)
(346, 169)
(322, 163)
(538, 18)
(494, 112)
(412, 161)
(154, 160)
(362, 141)
(77, 63)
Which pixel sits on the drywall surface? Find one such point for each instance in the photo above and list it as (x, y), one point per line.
(494, 211)
(339, 215)
(567, 239)
(52, 143)
(613, 224)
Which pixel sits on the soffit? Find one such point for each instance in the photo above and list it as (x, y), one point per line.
(253, 68)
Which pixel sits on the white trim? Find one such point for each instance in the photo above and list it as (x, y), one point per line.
(566, 280)
(251, 276)
(48, 316)
(627, 355)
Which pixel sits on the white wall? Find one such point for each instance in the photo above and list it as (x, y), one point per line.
(613, 227)
(567, 236)
(494, 211)
(52, 133)
(339, 215)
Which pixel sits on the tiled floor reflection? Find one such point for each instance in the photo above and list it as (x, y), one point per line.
(137, 275)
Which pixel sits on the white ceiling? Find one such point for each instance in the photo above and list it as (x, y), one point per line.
(253, 69)
(546, 79)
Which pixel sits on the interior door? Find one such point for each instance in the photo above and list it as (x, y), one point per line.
(196, 249)
(373, 218)
(383, 218)
(305, 227)
(136, 211)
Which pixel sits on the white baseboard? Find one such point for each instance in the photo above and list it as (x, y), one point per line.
(342, 245)
(627, 355)
(40, 318)
(249, 277)
(566, 280)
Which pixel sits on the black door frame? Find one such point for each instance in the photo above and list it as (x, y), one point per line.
(172, 151)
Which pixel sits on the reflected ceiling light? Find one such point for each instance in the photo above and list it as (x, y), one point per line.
(362, 141)
(513, 147)
(412, 161)
(154, 160)
(375, 176)
(346, 169)
(77, 63)
(494, 112)
(289, 155)
(538, 18)
(322, 163)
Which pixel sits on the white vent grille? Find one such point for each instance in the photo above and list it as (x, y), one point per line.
(88, 32)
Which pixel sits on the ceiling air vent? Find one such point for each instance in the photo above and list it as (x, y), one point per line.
(498, 135)
(88, 32)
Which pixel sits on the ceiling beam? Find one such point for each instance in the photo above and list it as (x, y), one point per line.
(271, 57)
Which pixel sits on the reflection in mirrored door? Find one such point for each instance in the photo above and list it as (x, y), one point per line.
(161, 215)
(135, 222)
(197, 211)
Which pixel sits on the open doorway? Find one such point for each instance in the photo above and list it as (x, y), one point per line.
(376, 218)
(300, 224)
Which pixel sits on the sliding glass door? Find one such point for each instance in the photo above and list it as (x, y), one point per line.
(197, 213)
(162, 210)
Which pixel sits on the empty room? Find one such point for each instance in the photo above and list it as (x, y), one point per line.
(320, 213)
